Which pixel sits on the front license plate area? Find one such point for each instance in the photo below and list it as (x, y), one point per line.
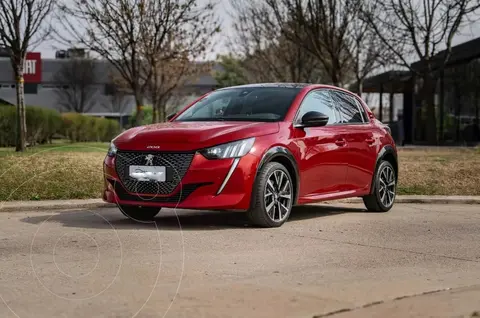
(148, 173)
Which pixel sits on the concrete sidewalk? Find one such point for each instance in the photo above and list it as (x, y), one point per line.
(11, 206)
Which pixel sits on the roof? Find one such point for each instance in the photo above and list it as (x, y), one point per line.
(392, 79)
(284, 85)
(463, 52)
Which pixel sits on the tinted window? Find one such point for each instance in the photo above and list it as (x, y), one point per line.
(318, 101)
(243, 104)
(347, 107)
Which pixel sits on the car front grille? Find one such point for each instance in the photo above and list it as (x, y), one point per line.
(176, 165)
(178, 197)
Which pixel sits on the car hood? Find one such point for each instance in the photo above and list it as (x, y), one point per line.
(185, 136)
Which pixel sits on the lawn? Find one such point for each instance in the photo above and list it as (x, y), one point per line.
(74, 171)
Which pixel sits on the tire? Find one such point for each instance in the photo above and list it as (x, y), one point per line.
(139, 213)
(376, 202)
(265, 193)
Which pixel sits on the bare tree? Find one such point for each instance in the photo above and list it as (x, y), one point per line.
(259, 40)
(322, 28)
(78, 77)
(169, 79)
(117, 101)
(419, 30)
(171, 48)
(369, 53)
(23, 24)
(113, 29)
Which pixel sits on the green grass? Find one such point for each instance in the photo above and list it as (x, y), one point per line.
(60, 146)
(74, 171)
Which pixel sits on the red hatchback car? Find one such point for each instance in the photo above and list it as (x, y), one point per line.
(259, 148)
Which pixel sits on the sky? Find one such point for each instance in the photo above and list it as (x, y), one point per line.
(48, 48)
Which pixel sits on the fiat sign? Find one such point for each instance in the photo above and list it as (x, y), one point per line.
(32, 71)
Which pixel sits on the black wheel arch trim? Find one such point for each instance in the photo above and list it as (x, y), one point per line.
(386, 150)
(275, 152)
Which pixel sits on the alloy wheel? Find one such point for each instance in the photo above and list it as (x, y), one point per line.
(278, 196)
(387, 186)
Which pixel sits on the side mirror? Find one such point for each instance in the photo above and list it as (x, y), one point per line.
(314, 119)
(171, 116)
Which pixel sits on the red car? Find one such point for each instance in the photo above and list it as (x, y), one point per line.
(259, 148)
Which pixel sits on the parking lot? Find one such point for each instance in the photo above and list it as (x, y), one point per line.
(337, 260)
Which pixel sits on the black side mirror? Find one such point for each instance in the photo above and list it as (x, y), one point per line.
(314, 119)
(171, 116)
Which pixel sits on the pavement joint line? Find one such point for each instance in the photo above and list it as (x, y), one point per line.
(380, 302)
(383, 248)
(22, 206)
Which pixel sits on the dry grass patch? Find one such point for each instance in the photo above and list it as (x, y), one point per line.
(51, 175)
(439, 171)
(78, 175)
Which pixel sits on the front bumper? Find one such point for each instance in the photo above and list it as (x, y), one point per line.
(199, 188)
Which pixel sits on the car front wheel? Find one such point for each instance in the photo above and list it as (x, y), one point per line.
(384, 189)
(273, 196)
(139, 213)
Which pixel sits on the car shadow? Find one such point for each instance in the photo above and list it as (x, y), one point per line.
(186, 220)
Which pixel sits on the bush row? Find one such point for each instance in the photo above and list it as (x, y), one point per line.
(43, 124)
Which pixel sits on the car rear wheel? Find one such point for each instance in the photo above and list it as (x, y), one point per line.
(273, 196)
(384, 189)
(139, 213)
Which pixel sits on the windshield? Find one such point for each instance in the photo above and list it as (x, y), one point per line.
(263, 104)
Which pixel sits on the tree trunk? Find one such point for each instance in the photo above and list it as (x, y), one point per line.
(139, 113)
(154, 114)
(21, 113)
(429, 98)
(359, 87)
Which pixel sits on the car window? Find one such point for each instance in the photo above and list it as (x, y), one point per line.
(261, 104)
(318, 101)
(347, 106)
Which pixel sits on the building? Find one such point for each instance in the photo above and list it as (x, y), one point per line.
(61, 84)
(457, 98)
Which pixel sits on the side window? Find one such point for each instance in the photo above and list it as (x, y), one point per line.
(318, 101)
(348, 108)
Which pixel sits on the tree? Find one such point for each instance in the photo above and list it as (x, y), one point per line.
(259, 40)
(322, 28)
(232, 72)
(419, 30)
(78, 75)
(23, 24)
(114, 30)
(172, 44)
(169, 79)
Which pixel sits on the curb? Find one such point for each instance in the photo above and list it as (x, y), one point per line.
(424, 199)
(21, 206)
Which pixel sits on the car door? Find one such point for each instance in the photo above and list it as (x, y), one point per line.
(323, 152)
(360, 138)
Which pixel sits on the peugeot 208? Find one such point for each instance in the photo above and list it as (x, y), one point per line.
(257, 148)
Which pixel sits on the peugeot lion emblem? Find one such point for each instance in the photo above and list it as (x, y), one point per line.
(149, 159)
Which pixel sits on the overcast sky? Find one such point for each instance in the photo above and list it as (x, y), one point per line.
(48, 48)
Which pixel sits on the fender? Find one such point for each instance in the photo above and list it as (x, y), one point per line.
(284, 153)
(386, 150)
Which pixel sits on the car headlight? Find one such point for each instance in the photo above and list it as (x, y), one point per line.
(234, 149)
(112, 150)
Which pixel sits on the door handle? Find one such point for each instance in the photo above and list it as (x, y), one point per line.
(370, 141)
(341, 142)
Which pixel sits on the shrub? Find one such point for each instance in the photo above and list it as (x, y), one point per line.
(42, 124)
(78, 128)
(7, 126)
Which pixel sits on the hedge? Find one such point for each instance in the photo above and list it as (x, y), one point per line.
(43, 124)
(78, 128)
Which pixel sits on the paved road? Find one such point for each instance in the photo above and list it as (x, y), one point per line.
(417, 260)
